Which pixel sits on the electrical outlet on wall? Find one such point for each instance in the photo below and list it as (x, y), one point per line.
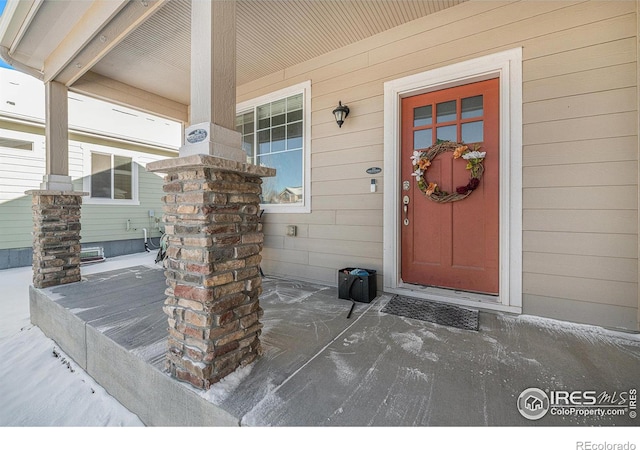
(292, 230)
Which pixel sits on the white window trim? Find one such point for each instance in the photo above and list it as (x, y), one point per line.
(86, 179)
(305, 89)
(508, 66)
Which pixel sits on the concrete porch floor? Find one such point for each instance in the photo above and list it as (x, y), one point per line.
(320, 368)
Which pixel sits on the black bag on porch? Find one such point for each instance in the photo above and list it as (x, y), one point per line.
(357, 284)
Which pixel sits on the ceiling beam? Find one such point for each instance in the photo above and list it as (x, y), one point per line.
(103, 88)
(98, 15)
(108, 24)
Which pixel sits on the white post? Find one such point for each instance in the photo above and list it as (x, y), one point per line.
(56, 176)
(213, 82)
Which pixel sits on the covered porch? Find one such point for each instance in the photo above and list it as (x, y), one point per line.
(320, 368)
(317, 366)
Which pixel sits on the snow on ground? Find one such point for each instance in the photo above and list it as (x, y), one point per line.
(41, 387)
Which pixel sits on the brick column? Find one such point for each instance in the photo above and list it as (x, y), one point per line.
(212, 269)
(56, 237)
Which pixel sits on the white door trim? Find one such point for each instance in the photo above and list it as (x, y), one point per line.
(508, 66)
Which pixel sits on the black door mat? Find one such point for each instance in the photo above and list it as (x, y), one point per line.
(448, 315)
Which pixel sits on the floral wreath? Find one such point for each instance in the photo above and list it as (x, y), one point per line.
(421, 160)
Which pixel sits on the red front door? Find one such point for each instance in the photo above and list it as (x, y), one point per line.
(456, 244)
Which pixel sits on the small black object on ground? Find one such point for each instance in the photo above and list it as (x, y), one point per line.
(357, 285)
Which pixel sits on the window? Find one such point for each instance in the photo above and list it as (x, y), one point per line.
(275, 133)
(111, 177)
(16, 144)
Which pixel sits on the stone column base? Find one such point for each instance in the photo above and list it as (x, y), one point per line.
(56, 237)
(212, 267)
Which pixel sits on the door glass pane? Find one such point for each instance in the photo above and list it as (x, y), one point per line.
(448, 133)
(422, 139)
(122, 178)
(100, 176)
(473, 132)
(422, 116)
(446, 111)
(472, 107)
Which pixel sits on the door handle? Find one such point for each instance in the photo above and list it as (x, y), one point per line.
(405, 209)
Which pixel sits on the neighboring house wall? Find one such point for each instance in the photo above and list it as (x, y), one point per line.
(580, 149)
(103, 225)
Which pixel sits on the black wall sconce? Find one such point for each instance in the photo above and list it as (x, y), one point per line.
(341, 113)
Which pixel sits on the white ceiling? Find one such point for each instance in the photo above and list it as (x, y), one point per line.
(155, 55)
(271, 35)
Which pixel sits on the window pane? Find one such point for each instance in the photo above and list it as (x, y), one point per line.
(247, 123)
(279, 107)
(294, 136)
(294, 103)
(422, 138)
(244, 125)
(16, 144)
(422, 116)
(294, 116)
(264, 142)
(264, 116)
(277, 139)
(100, 176)
(122, 179)
(278, 120)
(472, 107)
(448, 133)
(446, 111)
(278, 112)
(473, 132)
(247, 146)
(286, 186)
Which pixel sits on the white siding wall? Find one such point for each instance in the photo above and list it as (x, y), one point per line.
(22, 170)
(580, 154)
